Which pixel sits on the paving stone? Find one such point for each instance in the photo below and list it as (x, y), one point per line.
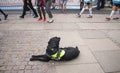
(114, 35)
(8, 71)
(84, 68)
(21, 71)
(87, 26)
(16, 68)
(14, 71)
(3, 67)
(53, 26)
(109, 60)
(66, 40)
(70, 26)
(108, 26)
(10, 67)
(26, 26)
(101, 44)
(28, 71)
(2, 71)
(92, 34)
(22, 67)
(28, 67)
(11, 71)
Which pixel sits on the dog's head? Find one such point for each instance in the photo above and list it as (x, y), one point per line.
(53, 45)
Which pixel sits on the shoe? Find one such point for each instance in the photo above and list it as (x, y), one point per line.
(44, 19)
(89, 16)
(79, 15)
(6, 16)
(21, 16)
(53, 8)
(39, 19)
(50, 21)
(35, 16)
(108, 19)
(115, 18)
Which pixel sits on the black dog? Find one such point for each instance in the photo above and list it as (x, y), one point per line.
(53, 52)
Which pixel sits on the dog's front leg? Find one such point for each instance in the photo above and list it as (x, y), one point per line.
(43, 58)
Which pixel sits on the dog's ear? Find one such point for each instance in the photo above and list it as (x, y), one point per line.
(57, 39)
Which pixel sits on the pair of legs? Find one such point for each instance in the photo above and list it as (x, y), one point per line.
(47, 7)
(29, 4)
(100, 4)
(81, 5)
(53, 4)
(41, 11)
(5, 15)
(63, 5)
(83, 9)
(114, 11)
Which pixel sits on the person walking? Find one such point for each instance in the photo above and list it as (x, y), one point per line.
(100, 4)
(47, 7)
(116, 5)
(89, 4)
(5, 15)
(40, 9)
(63, 5)
(53, 4)
(28, 4)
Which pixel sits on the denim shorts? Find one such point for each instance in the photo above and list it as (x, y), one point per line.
(64, 1)
(53, 1)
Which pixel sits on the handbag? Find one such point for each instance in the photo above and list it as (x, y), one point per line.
(116, 1)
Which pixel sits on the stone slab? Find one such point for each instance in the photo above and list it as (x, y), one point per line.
(92, 34)
(109, 60)
(114, 35)
(84, 68)
(101, 44)
(68, 38)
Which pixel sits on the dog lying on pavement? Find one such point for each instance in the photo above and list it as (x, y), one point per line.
(53, 52)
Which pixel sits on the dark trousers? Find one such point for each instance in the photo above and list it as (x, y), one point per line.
(41, 11)
(29, 4)
(47, 6)
(2, 12)
(81, 5)
(100, 4)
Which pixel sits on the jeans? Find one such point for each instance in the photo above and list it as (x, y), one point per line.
(47, 7)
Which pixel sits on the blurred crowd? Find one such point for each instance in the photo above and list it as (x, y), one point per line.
(45, 6)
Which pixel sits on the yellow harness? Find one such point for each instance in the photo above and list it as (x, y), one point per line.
(58, 55)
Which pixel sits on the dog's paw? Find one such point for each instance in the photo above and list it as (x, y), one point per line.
(31, 59)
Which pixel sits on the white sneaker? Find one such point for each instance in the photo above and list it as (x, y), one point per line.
(79, 15)
(50, 21)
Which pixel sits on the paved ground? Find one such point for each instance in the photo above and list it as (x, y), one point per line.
(97, 39)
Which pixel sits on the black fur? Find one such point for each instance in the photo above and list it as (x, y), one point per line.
(52, 48)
